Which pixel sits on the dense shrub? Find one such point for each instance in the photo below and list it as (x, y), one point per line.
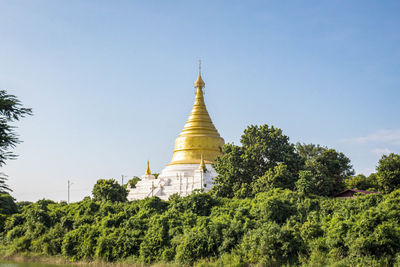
(278, 227)
(271, 244)
(109, 190)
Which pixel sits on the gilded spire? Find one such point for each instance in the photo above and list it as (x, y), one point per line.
(202, 164)
(199, 83)
(199, 135)
(148, 172)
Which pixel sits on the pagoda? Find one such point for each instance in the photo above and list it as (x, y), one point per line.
(195, 150)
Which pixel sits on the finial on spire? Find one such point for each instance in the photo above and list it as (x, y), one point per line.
(148, 172)
(199, 83)
(202, 164)
(199, 65)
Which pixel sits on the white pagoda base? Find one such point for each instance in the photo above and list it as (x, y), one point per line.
(181, 179)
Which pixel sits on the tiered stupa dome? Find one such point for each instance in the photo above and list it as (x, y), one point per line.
(199, 137)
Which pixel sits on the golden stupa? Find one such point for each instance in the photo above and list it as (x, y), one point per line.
(199, 139)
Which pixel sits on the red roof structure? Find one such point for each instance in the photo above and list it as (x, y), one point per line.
(350, 193)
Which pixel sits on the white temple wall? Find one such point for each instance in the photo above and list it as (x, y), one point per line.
(182, 179)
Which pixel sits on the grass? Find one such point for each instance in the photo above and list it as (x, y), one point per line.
(37, 258)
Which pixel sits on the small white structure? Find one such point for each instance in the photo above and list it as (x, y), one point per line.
(180, 179)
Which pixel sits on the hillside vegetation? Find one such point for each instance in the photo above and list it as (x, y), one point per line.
(271, 205)
(273, 228)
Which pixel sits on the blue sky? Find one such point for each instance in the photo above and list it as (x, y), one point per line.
(111, 82)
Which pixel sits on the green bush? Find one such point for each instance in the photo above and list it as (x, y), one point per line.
(271, 244)
(80, 243)
(277, 227)
(109, 190)
(196, 243)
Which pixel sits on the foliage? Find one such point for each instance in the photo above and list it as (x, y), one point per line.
(388, 172)
(7, 207)
(362, 182)
(3, 186)
(7, 204)
(269, 207)
(275, 228)
(266, 160)
(105, 190)
(11, 110)
(132, 182)
(277, 177)
(263, 148)
(325, 170)
(309, 151)
(271, 244)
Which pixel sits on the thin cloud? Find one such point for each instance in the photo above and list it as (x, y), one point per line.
(391, 137)
(381, 151)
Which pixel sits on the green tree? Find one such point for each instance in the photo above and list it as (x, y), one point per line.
(7, 207)
(7, 204)
(80, 243)
(132, 182)
(325, 170)
(276, 205)
(109, 190)
(362, 182)
(271, 245)
(306, 183)
(3, 186)
(11, 110)
(388, 172)
(277, 177)
(155, 240)
(309, 151)
(263, 148)
(195, 244)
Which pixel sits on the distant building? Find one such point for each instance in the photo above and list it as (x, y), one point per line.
(195, 150)
(350, 193)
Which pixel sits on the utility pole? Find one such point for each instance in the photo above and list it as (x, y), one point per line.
(69, 186)
(69, 189)
(122, 179)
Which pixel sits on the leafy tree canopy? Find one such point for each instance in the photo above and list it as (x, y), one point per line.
(262, 148)
(324, 172)
(275, 228)
(132, 182)
(362, 182)
(309, 151)
(109, 190)
(277, 177)
(388, 172)
(11, 110)
(3, 186)
(267, 160)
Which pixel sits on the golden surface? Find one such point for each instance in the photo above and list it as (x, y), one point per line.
(199, 137)
(202, 166)
(148, 172)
